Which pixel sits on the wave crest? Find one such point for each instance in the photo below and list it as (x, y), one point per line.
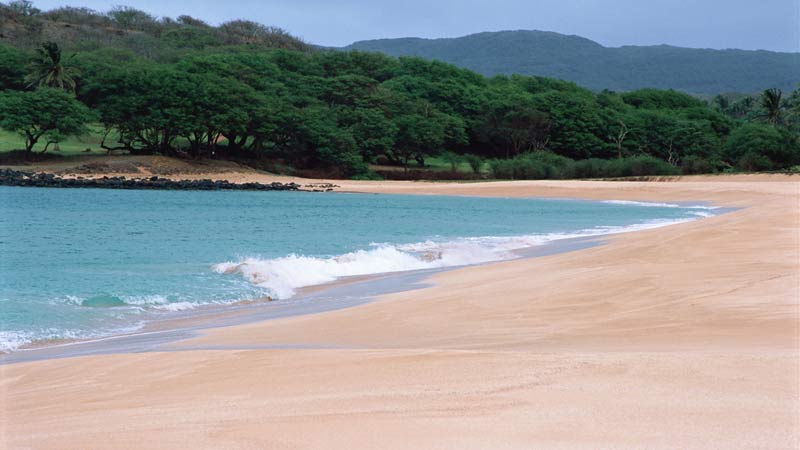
(283, 276)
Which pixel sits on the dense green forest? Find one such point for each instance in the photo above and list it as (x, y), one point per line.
(589, 64)
(280, 103)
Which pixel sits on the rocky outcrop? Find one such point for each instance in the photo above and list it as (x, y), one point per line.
(10, 177)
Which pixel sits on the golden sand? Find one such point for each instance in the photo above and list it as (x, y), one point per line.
(679, 337)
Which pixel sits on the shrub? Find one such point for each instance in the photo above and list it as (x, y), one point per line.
(544, 165)
(591, 168)
(475, 163)
(533, 166)
(696, 165)
(430, 175)
(754, 162)
(775, 147)
(649, 165)
(367, 176)
(78, 16)
(453, 159)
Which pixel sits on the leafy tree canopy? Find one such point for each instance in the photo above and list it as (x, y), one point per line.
(44, 113)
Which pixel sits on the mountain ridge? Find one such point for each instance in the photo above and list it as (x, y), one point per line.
(590, 64)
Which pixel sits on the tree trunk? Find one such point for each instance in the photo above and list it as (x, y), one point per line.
(46, 146)
(29, 143)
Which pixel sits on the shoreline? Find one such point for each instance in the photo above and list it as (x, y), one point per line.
(160, 333)
(180, 324)
(683, 336)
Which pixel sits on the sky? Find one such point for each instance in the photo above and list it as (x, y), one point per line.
(746, 24)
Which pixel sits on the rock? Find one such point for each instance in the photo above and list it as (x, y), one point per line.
(10, 177)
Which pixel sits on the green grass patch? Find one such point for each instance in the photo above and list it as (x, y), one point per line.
(74, 145)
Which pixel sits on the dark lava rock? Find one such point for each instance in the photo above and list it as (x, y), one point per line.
(10, 177)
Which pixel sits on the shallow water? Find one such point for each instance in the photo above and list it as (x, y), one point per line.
(79, 263)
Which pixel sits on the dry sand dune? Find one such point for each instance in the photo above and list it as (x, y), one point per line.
(679, 337)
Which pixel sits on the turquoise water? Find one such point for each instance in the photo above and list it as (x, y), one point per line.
(80, 263)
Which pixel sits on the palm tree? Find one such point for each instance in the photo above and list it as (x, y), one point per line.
(771, 102)
(48, 69)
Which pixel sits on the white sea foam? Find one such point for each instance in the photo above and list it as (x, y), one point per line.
(283, 276)
(658, 204)
(11, 341)
(177, 306)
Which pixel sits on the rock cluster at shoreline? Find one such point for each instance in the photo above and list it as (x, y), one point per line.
(10, 177)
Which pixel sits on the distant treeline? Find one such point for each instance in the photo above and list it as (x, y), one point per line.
(337, 112)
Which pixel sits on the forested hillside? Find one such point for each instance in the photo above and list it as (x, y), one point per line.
(589, 64)
(337, 113)
(82, 29)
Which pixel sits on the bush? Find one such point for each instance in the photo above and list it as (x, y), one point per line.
(453, 159)
(695, 165)
(429, 175)
(533, 166)
(78, 16)
(475, 163)
(132, 18)
(367, 176)
(759, 145)
(591, 168)
(648, 165)
(753, 162)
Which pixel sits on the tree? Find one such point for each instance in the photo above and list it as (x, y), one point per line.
(618, 137)
(452, 158)
(793, 112)
(722, 103)
(78, 15)
(148, 107)
(373, 131)
(132, 18)
(773, 109)
(742, 108)
(529, 129)
(577, 126)
(44, 113)
(48, 69)
(660, 99)
(12, 68)
(249, 32)
(191, 21)
(23, 8)
(417, 137)
(753, 143)
(669, 135)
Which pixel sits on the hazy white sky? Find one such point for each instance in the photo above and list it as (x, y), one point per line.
(746, 24)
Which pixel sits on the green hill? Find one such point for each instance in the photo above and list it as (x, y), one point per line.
(78, 29)
(698, 71)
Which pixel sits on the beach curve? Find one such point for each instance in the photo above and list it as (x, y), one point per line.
(684, 336)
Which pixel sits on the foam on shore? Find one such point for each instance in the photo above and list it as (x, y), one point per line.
(282, 277)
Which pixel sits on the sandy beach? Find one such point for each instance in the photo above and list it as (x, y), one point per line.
(686, 336)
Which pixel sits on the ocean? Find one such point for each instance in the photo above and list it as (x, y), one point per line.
(88, 263)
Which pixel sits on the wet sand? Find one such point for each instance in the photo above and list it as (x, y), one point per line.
(680, 337)
(161, 332)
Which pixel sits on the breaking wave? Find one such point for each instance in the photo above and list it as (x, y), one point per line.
(659, 205)
(283, 276)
